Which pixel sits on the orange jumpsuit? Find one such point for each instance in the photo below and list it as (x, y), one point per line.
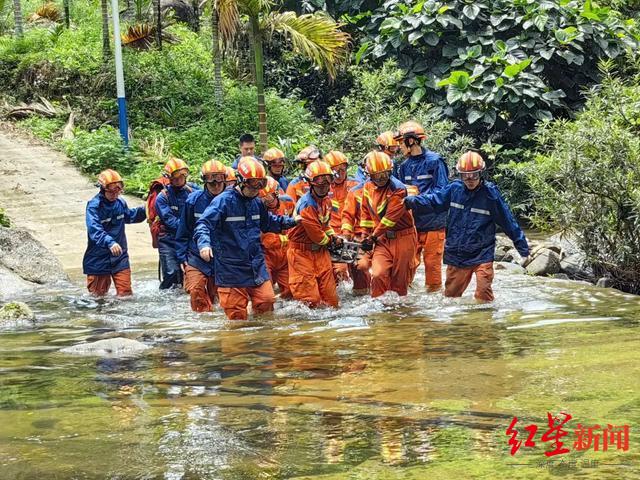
(352, 230)
(339, 196)
(384, 215)
(275, 247)
(99, 285)
(297, 188)
(310, 273)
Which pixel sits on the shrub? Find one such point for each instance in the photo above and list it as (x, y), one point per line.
(585, 180)
(100, 149)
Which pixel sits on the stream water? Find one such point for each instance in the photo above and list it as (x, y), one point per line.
(411, 388)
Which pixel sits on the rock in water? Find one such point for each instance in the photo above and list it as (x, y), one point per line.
(605, 282)
(546, 263)
(28, 258)
(509, 267)
(109, 348)
(16, 311)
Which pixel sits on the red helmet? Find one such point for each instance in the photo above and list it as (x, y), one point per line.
(248, 168)
(470, 162)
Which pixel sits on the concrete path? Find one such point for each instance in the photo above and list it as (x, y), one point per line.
(42, 192)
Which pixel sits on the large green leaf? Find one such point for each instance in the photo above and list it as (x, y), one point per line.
(513, 70)
(471, 11)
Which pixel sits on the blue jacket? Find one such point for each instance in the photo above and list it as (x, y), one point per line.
(360, 175)
(427, 171)
(186, 247)
(471, 225)
(234, 165)
(105, 227)
(231, 226)
(169, 205)
(283, 182)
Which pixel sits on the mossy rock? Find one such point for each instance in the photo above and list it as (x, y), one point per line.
(16, 311)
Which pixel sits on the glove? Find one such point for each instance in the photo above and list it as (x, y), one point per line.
(336, 243)
(368, 243)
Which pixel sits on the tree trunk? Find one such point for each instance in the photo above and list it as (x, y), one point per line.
(259, 67)
(196, 15)
(215, 54)
(158, 15)
(106, 44)
(17, 14)
(67, 13)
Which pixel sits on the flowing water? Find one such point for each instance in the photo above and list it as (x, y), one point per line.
(411, 388)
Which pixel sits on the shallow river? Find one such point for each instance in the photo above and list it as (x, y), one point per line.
(412, 388)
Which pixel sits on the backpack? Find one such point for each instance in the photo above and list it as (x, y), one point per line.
(155, 225)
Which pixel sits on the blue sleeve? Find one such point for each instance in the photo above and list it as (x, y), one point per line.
(440, 177)
(96, 231)
(134, 215)
(430, 202)
(183, 235)
(234, 165)
(169, 220)
(208, 224)
(505, 220)
(274, 223)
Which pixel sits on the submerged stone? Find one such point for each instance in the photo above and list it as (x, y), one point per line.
(110, 348)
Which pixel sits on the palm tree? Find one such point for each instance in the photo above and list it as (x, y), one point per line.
(106, 47)
(67, 13)
(17, 15)
(316, 36)
(158, 14)
(215, 54)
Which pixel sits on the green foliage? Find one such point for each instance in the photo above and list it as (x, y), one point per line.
(500, 65)
(4, 220)
(585, 179)
(375, 106)
(100, 149)
(43, 128)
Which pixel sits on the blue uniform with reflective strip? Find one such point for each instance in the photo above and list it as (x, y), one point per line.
(231, 226)
(471, 223)
(187, 249)
(105, 228)
(427, 171)
(169, 205)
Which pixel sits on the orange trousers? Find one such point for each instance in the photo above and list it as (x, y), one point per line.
(361, 276)
(278, 267)
(235, 300)
(340, 272)
(392, 263)
(201, 288)
(431, 249)
(99, 285)
(458, 279)
(311, 277)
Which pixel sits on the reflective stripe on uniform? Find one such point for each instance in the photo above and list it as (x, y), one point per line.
(197, 215)
(347, 226)
(424, 177)
(408, 177)
(387, 223)
(175, 208)
(456, 205)
(367, 223)
(479, 210)
(106, 220)
(234, 219)
(325, 240)
(120, 217)
(255, 217)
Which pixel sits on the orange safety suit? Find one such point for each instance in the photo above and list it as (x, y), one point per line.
(99, 285)
(339, 194)
(352, 230)
(275, 247)
(385, 217)
(458, 279)
(310, 273)
(297, 188)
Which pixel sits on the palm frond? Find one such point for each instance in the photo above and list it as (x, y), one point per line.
(141, 36)
(48, 11)
(228, 19)
(255, 7)
(315, 35)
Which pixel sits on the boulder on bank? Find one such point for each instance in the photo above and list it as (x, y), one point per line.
(109, 348)
(546, 262)
(14, 311)
(27, 258)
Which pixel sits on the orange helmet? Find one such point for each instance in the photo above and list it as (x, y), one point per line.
(273, 154)
(377, 162)
(411, 129)
(272, 187)
(386, 140)
(231, 174)
(213, 166)
(316, 169)
(470, 162)
(248, 168)
(108, 177)
(309, 154)
(173, 165)
(335, 158)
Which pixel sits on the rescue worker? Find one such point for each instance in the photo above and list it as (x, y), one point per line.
(106, 256)
(230, 180)
(474, 208)
(427, 171)
(230, 227)
(389, 225)
(275, 163)
(299, 186)
(199, 279)
(352, 231)
(276, 244)
(310, 273)
(169, 205)
(339, 190)
(388, 144)
(247, 147)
